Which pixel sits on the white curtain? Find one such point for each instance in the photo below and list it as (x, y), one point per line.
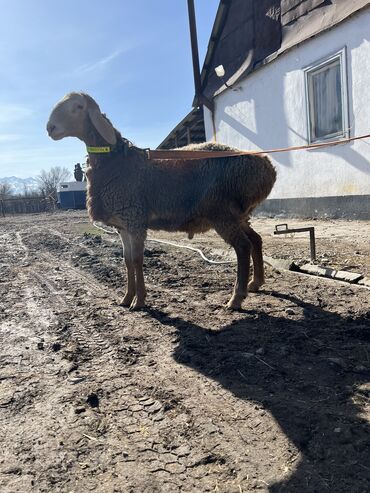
(325, 96)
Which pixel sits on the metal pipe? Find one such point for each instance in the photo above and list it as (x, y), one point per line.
(195, 57)
(194, 47)
(283, 229)
(312, 244)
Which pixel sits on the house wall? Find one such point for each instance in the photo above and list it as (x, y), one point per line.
(268, 110)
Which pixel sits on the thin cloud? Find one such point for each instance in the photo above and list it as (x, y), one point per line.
(13, 113)
(10, 137)
(100, 64)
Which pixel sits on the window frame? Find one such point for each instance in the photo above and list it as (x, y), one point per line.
(315, 67)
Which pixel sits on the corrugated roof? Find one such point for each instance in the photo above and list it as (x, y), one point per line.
(291, 10)
(190, 129)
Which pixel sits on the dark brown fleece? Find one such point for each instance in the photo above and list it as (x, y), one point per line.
(129, 191)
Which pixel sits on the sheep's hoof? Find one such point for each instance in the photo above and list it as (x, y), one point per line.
(254, 286)
(235, 303)
(126, 300)
(137, 305)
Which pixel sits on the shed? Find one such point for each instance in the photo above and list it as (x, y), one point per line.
(72, 195)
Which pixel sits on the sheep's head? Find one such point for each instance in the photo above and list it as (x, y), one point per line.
(73, 117)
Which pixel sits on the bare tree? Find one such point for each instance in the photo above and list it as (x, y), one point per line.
(49, 180)
(5, 190)
(29, 192)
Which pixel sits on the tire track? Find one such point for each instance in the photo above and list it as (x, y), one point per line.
(47, 292)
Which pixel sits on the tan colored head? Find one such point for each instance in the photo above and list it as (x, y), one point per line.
(73, 117)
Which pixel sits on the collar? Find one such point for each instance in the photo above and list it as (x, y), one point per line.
(98, 150)
(121, 147)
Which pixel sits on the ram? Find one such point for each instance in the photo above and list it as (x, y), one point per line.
(129, 191)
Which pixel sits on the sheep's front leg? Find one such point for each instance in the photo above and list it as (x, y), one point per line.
(137, 251)
(127, 253)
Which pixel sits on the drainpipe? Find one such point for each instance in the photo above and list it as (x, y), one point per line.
(202, 100)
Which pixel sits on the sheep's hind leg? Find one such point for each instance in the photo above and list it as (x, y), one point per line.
(235, 236)
(137, 250)
(257, 257)
(131, 284)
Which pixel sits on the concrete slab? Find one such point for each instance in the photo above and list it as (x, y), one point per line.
(365, 282)
(279, 263)
(341, 275)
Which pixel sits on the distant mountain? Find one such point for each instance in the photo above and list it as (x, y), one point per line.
(19, 184)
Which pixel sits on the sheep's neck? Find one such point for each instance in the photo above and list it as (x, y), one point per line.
(94, 139)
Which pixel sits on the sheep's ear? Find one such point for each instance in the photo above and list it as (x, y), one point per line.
(101, 124)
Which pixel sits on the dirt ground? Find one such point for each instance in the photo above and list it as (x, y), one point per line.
(184, 396)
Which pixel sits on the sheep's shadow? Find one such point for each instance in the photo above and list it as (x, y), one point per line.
(307, 389)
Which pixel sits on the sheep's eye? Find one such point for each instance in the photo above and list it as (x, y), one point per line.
(76, 107)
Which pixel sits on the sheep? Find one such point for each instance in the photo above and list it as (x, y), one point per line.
(132, 193)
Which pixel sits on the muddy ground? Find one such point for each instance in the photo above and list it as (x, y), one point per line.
(184, 396)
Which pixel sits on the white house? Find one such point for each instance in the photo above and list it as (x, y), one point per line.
(296, 72)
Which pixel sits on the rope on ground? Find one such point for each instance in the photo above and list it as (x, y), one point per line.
(176, 245)
(197, 250)
(108, 231)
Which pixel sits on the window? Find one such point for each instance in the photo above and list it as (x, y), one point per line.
(326, 99)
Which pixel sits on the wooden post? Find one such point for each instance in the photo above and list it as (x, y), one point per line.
(188, 135)
(2, 207)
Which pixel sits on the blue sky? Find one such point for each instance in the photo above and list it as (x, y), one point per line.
(133, 57)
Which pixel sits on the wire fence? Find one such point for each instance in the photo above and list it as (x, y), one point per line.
(25, 205)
